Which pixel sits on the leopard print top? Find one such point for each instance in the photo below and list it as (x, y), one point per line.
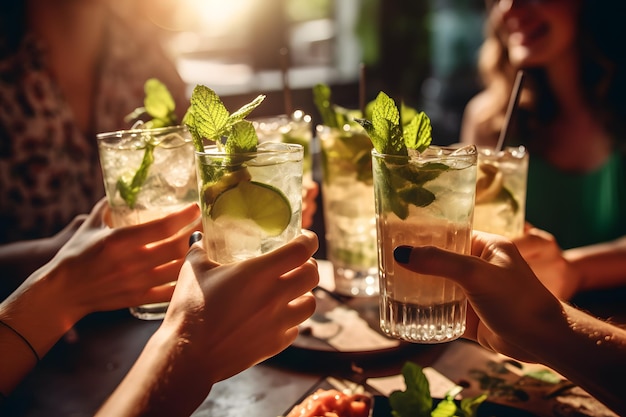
(49, 169)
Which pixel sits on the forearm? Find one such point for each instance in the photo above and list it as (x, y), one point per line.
(601, 266)
(168, 378)
(589, 352)
(20, 259)
(36, 312)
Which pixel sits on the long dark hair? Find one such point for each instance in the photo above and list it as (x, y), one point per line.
(603, 75)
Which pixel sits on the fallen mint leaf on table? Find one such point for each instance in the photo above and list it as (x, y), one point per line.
(416, 400)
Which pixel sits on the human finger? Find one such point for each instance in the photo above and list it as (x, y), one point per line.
(287, 257)
(162, 228)
(298, 281)
(537, 243)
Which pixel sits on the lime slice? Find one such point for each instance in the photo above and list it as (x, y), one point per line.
(267, 206)
(488, 183)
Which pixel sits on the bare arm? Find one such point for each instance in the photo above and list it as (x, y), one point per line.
(20, 259)
(221, 320)
(57, 295)
(601, 266)
(514, 314)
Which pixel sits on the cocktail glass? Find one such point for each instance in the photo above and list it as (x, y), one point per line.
(294, 128)
(501, 191)
(251, 202)
(148, 174)
(423, 199)
(349, 214)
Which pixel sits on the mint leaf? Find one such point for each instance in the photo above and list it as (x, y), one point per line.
(129, 192)
(245, 110)
(207, 117)
(210, 116)
(384, 129)
(160, 105)
(243, 138)
(333, 115)
(418, 132)
(415, 401)
(469, 406)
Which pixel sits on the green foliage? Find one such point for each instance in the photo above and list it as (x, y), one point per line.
(391, 137)
(416, 400)
(159, 104)
(207, 117)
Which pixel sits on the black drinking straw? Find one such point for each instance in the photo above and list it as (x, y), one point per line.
(513, 100)
(284, 69)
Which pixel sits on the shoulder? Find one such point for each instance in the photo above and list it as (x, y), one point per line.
(474, 122)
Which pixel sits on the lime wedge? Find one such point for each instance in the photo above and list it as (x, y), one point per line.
(267, 206)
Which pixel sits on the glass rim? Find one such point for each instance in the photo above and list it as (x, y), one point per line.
(127, 132)
(288, 148)
(447, 148)
(519, 151)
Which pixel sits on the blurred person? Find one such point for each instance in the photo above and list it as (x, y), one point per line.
(261, 299)
(571, 117)
(69, 69)
(511, 312)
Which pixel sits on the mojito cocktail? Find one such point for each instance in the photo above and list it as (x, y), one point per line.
(423, 199)
(148, 173)
(349, 214)
(501, 191)
(294, 128)
(251, 202)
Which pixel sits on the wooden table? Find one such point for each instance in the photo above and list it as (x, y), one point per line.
(84, 368)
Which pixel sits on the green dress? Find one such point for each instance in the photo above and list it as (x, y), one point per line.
(578, 209)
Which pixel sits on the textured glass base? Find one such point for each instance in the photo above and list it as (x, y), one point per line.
(423, 324)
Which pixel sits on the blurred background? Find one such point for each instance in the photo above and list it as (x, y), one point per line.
(422, 52)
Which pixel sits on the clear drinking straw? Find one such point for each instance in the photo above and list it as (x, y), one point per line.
(513, 100)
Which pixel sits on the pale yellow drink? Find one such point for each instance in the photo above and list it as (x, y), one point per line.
(425, 199)
(349, 214)
(251, 202)
(294, 128)
(148, 174)
(501, 191)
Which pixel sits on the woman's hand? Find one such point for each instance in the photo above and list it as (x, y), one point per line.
(510, 305)
(542, 252)
(222, 319)
(102, 268)
(241, 313)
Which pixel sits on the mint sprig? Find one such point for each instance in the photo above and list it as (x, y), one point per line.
(207, 117)
(416, 400)
(403, 184)
(391, 137)
(332, 114)
(159, 105)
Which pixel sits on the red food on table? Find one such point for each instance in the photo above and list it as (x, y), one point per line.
(333, 403)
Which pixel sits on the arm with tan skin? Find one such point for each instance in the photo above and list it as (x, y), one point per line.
(222, 319)
(98, 269)
(514, 314)
(20, 259)
(568, 272)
